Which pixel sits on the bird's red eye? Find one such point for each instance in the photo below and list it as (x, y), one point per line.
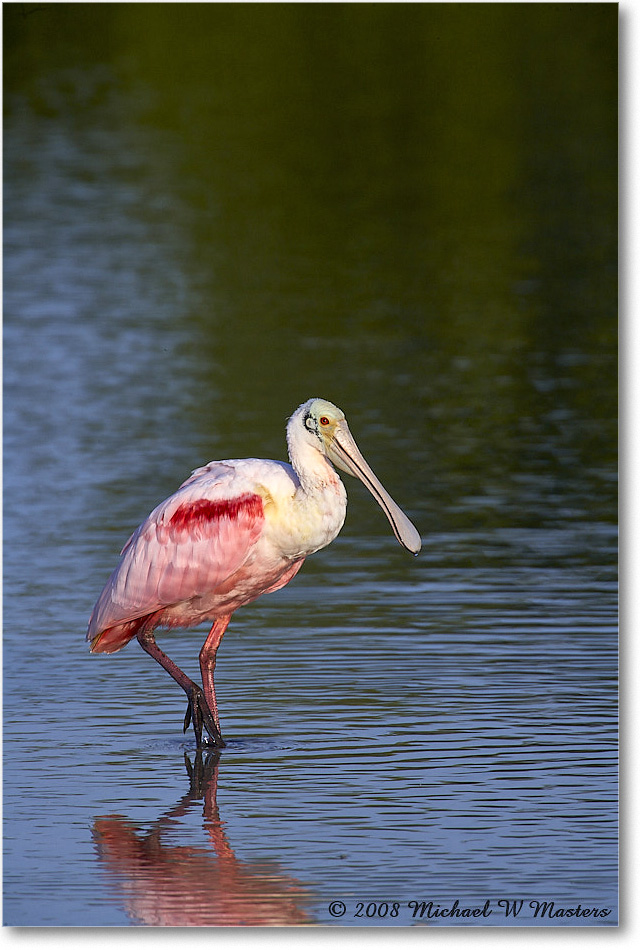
(324, 421)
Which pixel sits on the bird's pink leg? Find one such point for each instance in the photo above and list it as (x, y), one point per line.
(198, 711)
(207, 660)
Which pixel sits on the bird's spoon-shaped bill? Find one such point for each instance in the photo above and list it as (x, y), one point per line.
(344, 453)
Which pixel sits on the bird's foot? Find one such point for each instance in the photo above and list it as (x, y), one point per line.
(200, 715)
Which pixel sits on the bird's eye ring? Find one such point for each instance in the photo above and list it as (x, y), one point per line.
(324, 421)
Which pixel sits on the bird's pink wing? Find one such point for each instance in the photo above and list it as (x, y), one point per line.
(187, 547)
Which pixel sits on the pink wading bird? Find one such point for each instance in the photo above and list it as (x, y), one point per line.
(233, 531)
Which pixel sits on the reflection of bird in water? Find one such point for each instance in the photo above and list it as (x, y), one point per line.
(185, 886)
(233, 531)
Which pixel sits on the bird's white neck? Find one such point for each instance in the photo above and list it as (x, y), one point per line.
(313, 469)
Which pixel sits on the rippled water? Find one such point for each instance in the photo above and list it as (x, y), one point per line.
(398, 740)
(401, 731)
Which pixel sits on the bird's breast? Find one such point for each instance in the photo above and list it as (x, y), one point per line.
(306, 521)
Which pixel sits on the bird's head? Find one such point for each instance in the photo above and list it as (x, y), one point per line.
(322, 420)
(322, 425)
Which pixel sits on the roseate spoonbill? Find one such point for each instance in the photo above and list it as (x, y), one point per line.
(234, 530)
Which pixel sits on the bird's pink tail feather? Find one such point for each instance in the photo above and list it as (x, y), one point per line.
(114, 638)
